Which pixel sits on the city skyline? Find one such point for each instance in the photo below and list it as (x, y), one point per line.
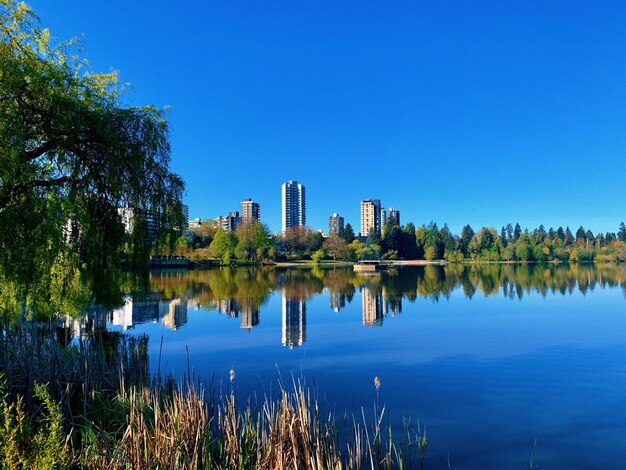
(485, 114)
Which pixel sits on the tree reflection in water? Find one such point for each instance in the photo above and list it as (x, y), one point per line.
(241, 292)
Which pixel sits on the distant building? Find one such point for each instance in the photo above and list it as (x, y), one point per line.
(370, 217)
(229, 222)
(394, 214)
(294, 322)
(194, 224)
(383, 219)
(250, 211)
(130, 217)
(293, 205)
(335, 223)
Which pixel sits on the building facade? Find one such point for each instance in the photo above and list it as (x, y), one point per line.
(250, 211)
(371, 217)
(293, 205)
(229, 222)
(129, 217)
(335, 224)
(394, 214)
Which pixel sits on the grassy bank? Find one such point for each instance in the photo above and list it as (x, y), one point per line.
(91, 403)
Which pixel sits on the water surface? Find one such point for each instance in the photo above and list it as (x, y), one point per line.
(488, 358)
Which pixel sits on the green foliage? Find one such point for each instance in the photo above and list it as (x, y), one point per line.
(72, 154)
(27, 441)
(223, 246)
(347, 233)
(253, 242)
(318, 256)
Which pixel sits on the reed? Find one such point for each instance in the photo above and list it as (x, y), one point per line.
(106, 413)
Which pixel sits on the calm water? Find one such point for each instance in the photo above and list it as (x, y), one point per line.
(488, 358)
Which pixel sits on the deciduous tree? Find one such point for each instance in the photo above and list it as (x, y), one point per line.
(72, 155)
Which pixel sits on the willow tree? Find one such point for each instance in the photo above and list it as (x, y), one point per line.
(71, 155)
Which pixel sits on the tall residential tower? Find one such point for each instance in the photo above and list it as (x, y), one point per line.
(250, 211)
(371, 217)
(335, 223)
(294, 205)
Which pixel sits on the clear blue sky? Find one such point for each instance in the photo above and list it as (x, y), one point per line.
(460, 112)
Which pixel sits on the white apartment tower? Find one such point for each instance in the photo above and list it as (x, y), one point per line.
(294, 205)
(371, 217)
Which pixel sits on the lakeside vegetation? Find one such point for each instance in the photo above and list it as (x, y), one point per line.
(252, 243)
(92, 404)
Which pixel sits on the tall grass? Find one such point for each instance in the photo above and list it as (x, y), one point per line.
(98, 408)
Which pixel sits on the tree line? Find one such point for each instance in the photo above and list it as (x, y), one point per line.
(254, 243)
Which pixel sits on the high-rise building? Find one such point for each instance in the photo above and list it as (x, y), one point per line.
(394, 214)
(335, 223)
(250, 211)
(129, 217)
(294, 322)
(383, 219)
(294, 205)
(229, 222)
(370, 217)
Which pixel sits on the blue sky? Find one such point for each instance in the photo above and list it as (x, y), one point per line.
(461, 112)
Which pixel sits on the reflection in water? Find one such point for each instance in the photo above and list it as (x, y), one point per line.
(176, 315)
(294, 321)
(249, 317)
(240, 293)
(377, 303)
(372, 307)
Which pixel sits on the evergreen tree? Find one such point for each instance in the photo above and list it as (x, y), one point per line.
(509, 232)
(560, 233)
(408, 246)
(541, 233)
(347, 233)
(392, 237)
(503, 237)
(517, 232)
(621, 234)
(466, 237)
(581, 235)
(568, 239)
(449, 244)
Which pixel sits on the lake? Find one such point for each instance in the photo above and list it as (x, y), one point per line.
(490, 359)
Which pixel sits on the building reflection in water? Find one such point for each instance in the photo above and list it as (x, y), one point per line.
(376, 305)
(135, 311)
(294, 321)
(372, 307)
(249, 317)
(227, 307)
(176, 313)
(337, 301)
(84, 326)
